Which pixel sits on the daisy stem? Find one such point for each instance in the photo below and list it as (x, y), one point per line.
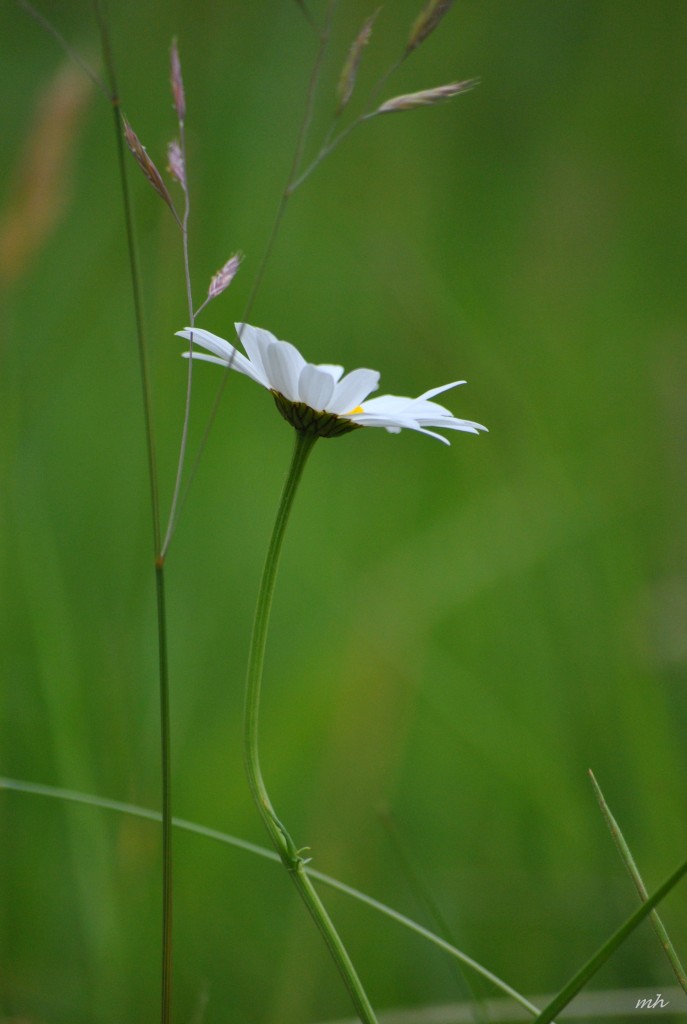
(281, 840)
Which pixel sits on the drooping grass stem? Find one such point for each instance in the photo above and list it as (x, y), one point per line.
(281, 840)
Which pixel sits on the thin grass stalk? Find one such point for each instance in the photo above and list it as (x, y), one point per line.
(87, 799)
(73, 54)
(423, 894)
(163, 663)
(171, 524)
(332, 141)
(136, 292)
(633, 871)
(323, 42)
(308, 16)
(281, 840)
(589, 969)
(166, 765)
(330, 144)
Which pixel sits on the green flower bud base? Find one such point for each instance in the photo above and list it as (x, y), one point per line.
(310, 421)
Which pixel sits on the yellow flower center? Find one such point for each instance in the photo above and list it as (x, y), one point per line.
(358, 408)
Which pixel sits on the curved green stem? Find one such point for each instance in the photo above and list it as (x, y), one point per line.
(281, 840)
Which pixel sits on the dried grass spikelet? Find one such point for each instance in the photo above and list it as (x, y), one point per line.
(349, 71)
(177, 81)
(146, 164)
(426, 97)
(39, 186)
(426, 22)
(224, 276)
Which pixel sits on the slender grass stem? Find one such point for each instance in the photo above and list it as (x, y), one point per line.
(425, 897)
(174, 507)
(87, 799)
(308, 16)
(166, 762)
(323, 37)
(589, 969)
(144, 371)
(633, 870)
(73, 54)
(331, 143)
(111, 93)
(281, 840)
(163, 664)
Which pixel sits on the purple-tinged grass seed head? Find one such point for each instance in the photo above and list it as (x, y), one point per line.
(177, 82)
(224, 276)
(175, 162)
(146, 164)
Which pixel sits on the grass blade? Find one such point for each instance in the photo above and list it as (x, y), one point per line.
(588, 970)
(72, 796)
(628, 860)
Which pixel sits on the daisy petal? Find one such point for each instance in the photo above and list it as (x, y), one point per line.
(202, 357)
(388, 405)
(466, 425)
(336, 402)
(437, 391)
(393, 425)
(224, 353)
(212, 342)
(255, 340)
(352, 390)
(431, 433)
(315, 387)
(283, 365)
(332, 368)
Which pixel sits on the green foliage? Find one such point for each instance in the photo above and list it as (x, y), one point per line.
(458, 634)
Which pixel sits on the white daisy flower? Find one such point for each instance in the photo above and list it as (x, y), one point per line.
(319, 399)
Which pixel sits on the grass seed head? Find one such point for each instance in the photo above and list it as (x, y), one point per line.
(224, 276)
(426, 97)
(350, 69)
(426, 22)
(146, 164)
(177, 81)
(175, 163)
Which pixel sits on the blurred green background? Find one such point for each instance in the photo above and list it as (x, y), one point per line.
(459, 634)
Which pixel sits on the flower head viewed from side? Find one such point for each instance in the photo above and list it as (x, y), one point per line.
(318, 399)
